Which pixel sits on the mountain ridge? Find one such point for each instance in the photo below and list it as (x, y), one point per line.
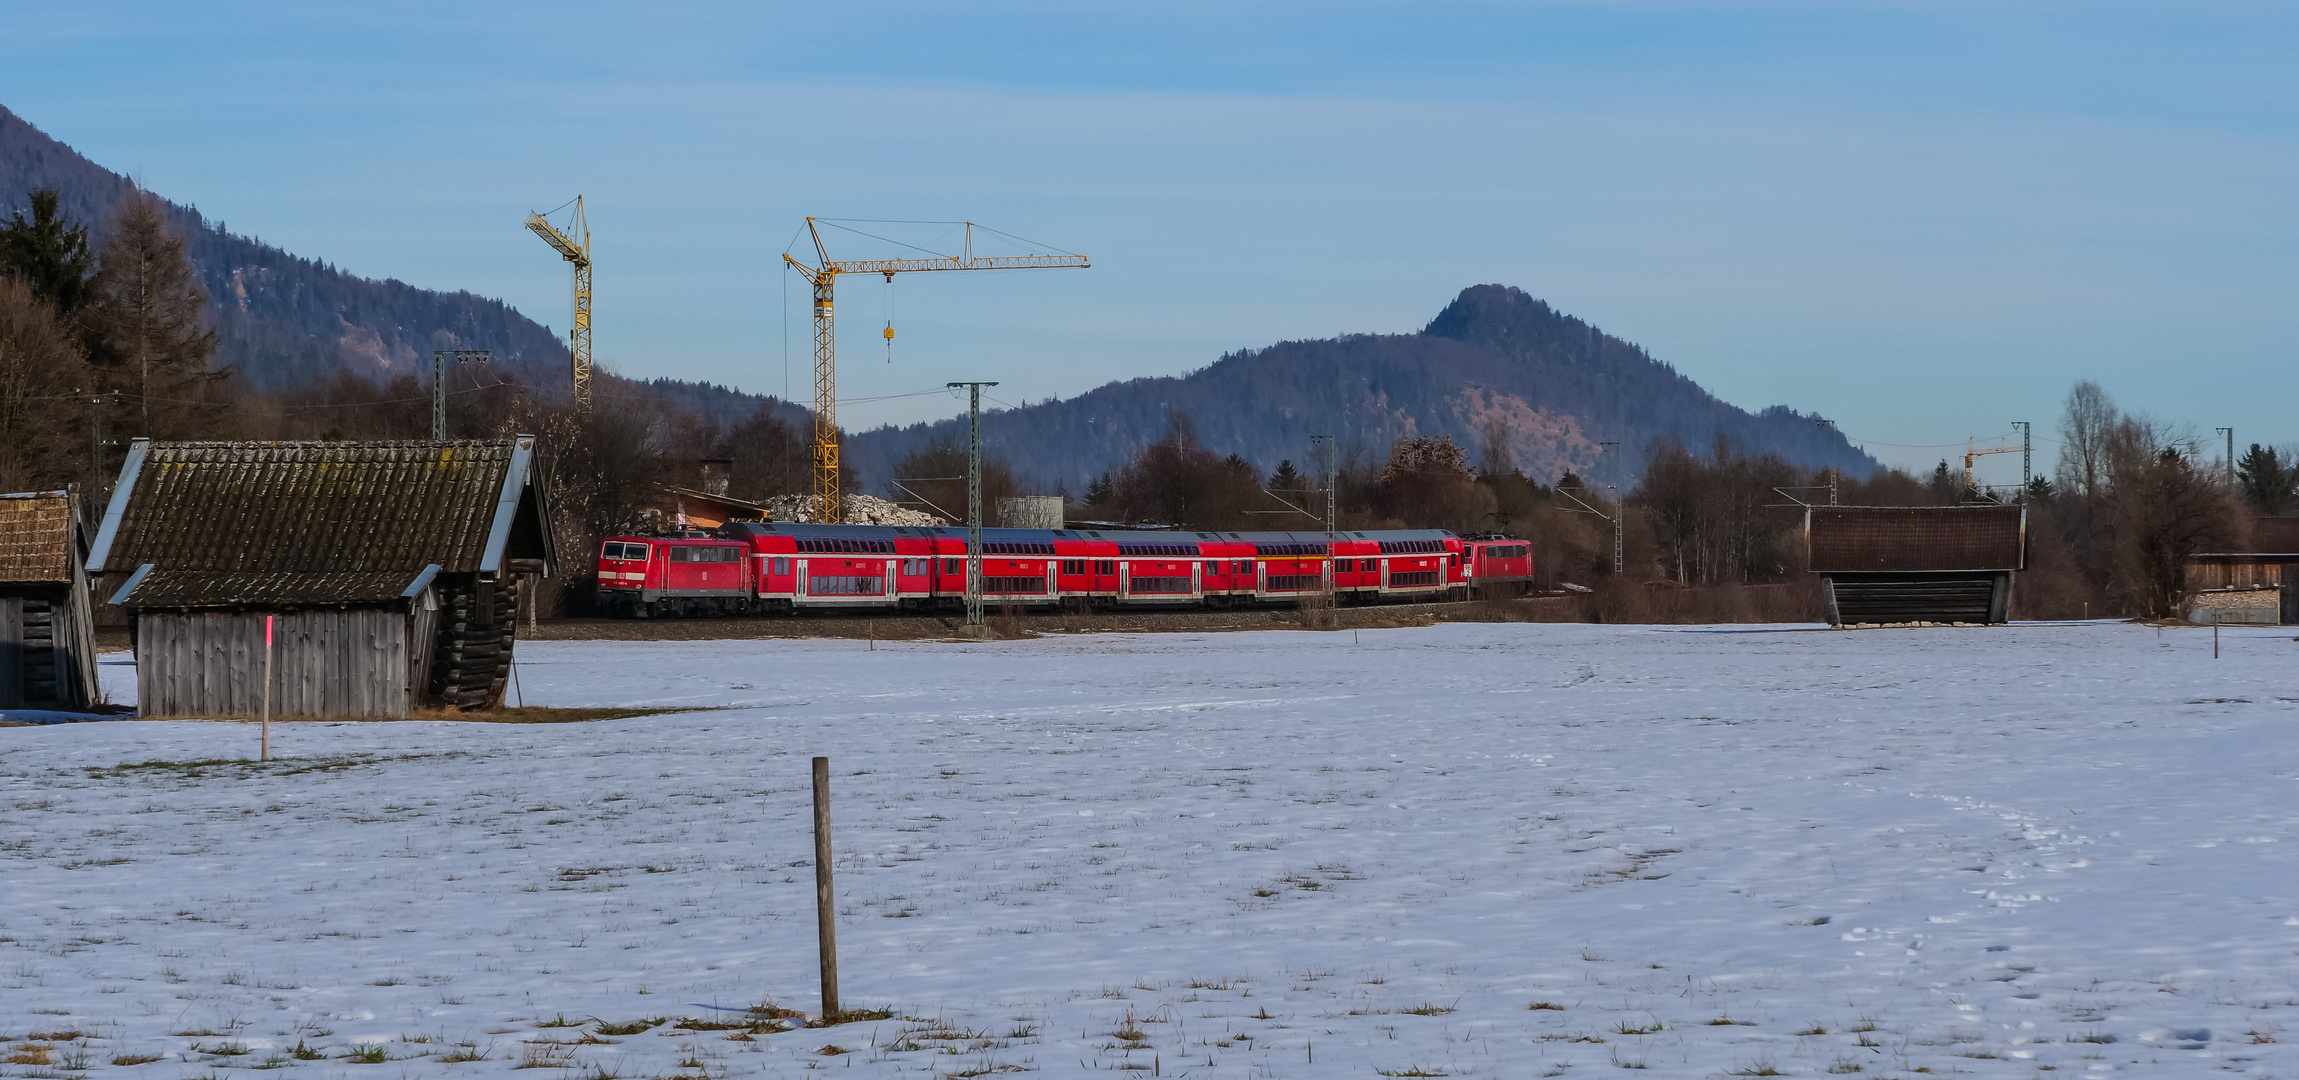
(1494, 361)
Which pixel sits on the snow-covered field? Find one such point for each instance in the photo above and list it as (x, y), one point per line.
(1489, 850)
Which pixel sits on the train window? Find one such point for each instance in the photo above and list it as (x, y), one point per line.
(682, 554)
(779, 565)
(953, 566)
(1109, 566)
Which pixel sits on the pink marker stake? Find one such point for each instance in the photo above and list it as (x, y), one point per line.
(267, 621)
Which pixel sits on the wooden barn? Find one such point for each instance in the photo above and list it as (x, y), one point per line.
(1904, 564)
(47, 638)
(2259, 585)
(393, 570)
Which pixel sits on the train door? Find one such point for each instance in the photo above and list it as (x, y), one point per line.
(1197, 580)
(798, 588)
(1125, 579)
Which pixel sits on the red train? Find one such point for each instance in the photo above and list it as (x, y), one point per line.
(774, 567)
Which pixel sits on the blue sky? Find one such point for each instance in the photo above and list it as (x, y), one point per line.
(1924, 220)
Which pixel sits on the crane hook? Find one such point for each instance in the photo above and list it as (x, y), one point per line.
(889, 317)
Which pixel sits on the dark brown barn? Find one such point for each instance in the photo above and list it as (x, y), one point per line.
(47, 640)
(393, 570)
(1902, 564)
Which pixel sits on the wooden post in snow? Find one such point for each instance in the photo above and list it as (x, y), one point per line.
(825, 912)
(267, 621)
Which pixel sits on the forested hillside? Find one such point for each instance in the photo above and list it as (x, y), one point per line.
(283, 320)
(1494, 367)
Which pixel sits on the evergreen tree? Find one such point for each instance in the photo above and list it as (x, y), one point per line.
(2270, 484)
(1101, 490)
(144, 320)
(50, 255)
(1286, 478)
(1947, 487)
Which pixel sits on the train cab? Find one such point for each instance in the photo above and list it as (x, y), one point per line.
(1499, 566)
(673, 575)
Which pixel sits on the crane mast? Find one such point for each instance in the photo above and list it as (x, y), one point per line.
(579, 338)
(828, 484)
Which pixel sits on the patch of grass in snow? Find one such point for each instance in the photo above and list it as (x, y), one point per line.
(206, 768)
(1726, 1020)
(849, 1016)
(1545, 1006)
(134, 1059)
(544, 714)
(1414, 1071)
(367, 1054)
(632, 1028)
(546, 1055)
(467, 1052)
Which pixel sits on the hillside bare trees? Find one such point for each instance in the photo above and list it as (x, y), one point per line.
(2132, 504)
(44, 438)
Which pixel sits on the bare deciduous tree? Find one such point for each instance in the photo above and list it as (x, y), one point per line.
(146, 317)
(44, 438)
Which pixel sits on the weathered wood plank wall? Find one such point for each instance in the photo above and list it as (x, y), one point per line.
(326, 662)
(11, 652)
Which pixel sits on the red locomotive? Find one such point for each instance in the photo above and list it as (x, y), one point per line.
(1499, 566)
(758, 567)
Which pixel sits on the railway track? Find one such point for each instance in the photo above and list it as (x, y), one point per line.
(931, 627)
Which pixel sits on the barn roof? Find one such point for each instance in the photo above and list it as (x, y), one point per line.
(320, 522)
(204, 589)
(36, 537)
(1916, 539)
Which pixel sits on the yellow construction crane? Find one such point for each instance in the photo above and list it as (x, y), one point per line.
(579, 338)
(1972, 454)
(824, 278)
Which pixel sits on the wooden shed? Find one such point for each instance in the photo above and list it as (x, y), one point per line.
(47, 638)
(2259, 585)
(1903, 564)
(392, 570)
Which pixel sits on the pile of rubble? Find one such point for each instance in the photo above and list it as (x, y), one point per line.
(860, 510)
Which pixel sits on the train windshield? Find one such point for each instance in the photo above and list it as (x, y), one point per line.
(629, 552)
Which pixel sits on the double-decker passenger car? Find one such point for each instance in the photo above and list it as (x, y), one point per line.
(785, 567)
